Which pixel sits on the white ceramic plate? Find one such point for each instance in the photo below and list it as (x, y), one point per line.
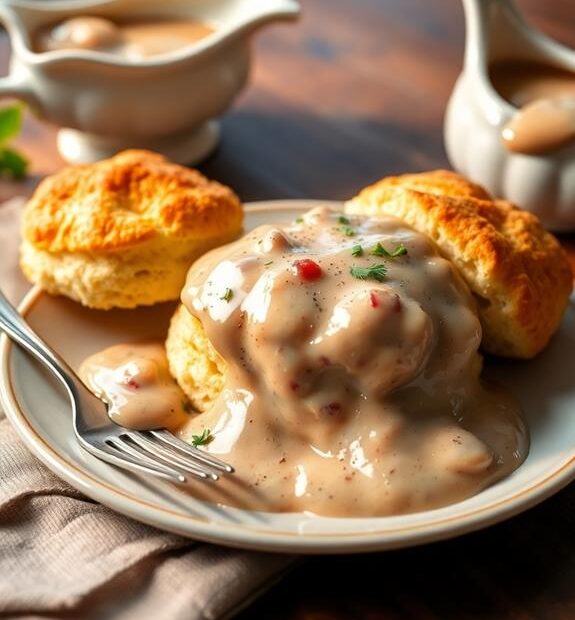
(39, 410)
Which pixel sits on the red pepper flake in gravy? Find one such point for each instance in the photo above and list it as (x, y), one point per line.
(308, 270)
(331, 408)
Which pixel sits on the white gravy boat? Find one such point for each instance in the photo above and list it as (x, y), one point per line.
(106, 103)
(476, 114)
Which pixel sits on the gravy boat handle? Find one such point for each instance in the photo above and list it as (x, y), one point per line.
(16, 84)
(13, 85)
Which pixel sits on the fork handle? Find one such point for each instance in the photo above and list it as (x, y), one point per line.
(16, 328)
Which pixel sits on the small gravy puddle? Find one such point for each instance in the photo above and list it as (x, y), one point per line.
(545, 97)
(134, 39)
(136, 381)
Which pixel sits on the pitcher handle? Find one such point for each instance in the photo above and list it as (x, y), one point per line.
(16, 84)
(12, 85)
(491, 23)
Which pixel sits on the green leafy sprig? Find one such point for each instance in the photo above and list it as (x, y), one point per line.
(379, 250)
(376, 271)
(202, 440)
(12, 163)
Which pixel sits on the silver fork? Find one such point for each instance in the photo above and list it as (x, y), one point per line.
(155, 452)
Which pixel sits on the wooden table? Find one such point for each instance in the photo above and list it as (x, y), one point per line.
(353, 92)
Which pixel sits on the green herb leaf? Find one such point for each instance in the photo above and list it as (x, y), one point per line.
(348, 231)
(227, 296)
(373, 272)
(357, 250)
(270, 262)
(10, 122)
(343, 220)
(299, 220)
(12, 164)
(379, 250)
(202, 440)
(400, 250)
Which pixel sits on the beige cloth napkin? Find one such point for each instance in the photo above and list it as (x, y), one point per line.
(65, 556)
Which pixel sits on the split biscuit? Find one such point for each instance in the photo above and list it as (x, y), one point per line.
(194, 363)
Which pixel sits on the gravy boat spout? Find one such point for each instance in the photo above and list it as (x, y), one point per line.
(107, 101)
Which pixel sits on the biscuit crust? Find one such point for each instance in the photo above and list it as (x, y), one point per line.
(124, 231)
(124, 201)
(518, 272)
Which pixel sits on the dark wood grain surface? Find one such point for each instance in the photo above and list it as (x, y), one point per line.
(354, 91)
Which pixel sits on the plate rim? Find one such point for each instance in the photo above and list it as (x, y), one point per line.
(249, 538)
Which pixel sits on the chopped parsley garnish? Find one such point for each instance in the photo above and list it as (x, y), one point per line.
(345, 227)
(268, 263)
(357, 250)
(299, 220)
(373, 272)
(227, 296)
(202, 440)
(379, 250)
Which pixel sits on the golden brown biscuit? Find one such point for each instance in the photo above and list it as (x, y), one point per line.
(194, 363)
(123, 232)
(517, 270)
(439, 182)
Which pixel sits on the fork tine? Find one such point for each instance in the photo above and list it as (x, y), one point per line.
(177, 443)
(121, 459)
(170, 457)
(123, 447)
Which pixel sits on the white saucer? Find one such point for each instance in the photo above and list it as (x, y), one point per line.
(38, 409)
(186, 147)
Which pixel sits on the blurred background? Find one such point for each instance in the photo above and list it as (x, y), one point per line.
(350, 92)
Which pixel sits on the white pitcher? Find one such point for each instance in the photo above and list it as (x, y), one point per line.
(476, 114)
(106, 102)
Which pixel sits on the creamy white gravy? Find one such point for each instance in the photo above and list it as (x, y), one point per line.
(136, 382)
(545, 96)
(132, 39)
(347, 396)
(343, 396)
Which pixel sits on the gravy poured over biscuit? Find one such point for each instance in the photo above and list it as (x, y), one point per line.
(352, 383)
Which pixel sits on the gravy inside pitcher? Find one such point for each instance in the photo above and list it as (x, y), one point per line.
(134, 39)
(545, 96)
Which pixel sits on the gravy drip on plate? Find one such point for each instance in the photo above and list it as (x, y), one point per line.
(347, 394)
(136, 382)
(545, 97)
(134, 39)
